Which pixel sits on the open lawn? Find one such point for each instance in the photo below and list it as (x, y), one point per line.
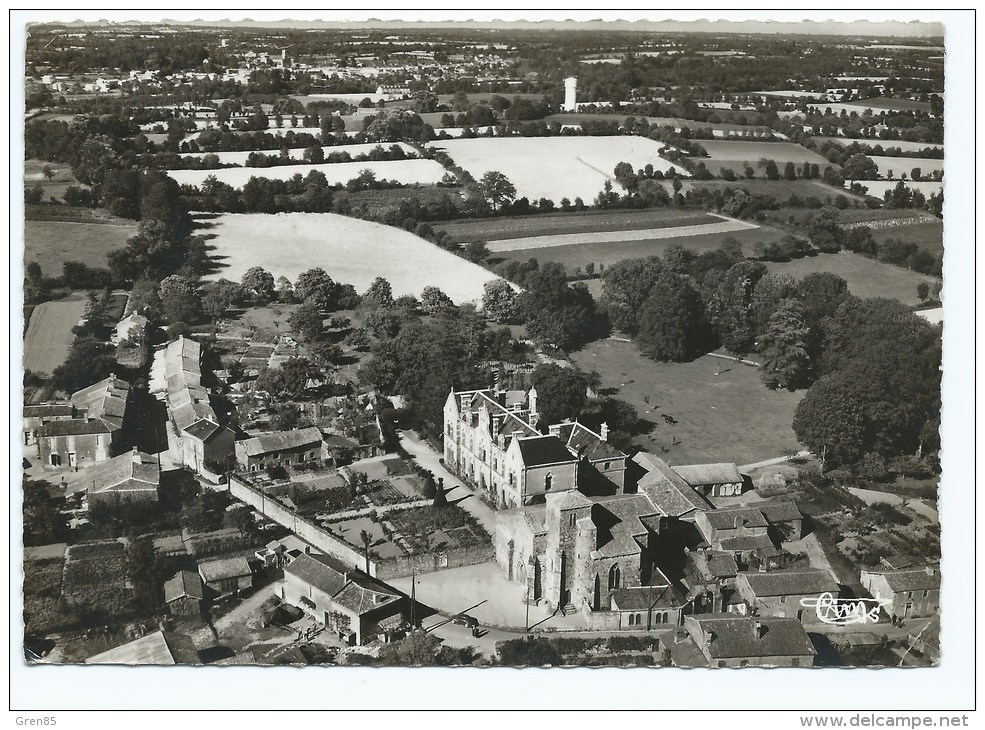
(61, 179)
(711, 225)
(405, 172)
(878, 188)
(589, 221)
(718, 129)
(607, 253)
(886, 144)
(730, 416)
(782, 190)
(866, 277)
(240, 158)
(893, 167)
(352, 251)
(928, 235)
(52, 243)
(49, 334)
(555, 167)
(752, 152)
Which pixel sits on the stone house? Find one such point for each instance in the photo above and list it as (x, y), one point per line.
(713, 480)
(907, 592)
(726, 640)
(282, 448)
(347, 601)
(709, 577)
(94, 433)
(228, 575)
(131, 477)
(205, 446)
(784, 593)
(36, 416)
(183, 593)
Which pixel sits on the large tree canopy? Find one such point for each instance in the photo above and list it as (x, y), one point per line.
(673, 325)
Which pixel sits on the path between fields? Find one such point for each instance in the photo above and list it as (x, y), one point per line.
(648, 234)
(770, 462)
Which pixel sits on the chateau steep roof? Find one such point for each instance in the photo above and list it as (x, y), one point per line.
(543, 450)
(588, 444)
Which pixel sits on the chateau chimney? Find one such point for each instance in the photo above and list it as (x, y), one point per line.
(135, 456)
(930, 570)
(532, 396)
(604, 432)
(554, 429)
(760, 630)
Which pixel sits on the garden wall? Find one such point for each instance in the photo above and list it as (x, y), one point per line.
(300, 526)
(433, 561)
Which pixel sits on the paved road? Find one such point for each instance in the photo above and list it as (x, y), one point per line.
(458, 492)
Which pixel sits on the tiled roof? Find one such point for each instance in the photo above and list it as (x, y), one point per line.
(703, 474)
(747, 542)
(913, 579)
(791, 582)
(588, 444)
(363, 596)
(543, 450)
(129, 472)
(617, 524)
(281, 441)
(726, 636)
(641, 598)
(45, 410)
(161, 648)
(336, 441)
(572, 499)
(670, 494)
(76, 427)
(106, 399)
(226, 568)
(731, 518)
(712, 565)
(184, 583)
(779, 511)
(321, 571)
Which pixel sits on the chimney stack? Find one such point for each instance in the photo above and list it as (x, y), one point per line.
(604, 432)
(760, 630)
(532, 395)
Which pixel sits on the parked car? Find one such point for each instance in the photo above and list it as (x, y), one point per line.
(463, 619)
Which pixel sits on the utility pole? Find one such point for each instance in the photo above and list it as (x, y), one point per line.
(526, 622)
(413, 599)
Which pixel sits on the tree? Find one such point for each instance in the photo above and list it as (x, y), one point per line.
(307, 321)
(561, 392)
(528, 652)
(786, 362)
(318, 287)
(790, 171)
(829, 420)
(88, 362)
(625, 286)
(259, 282)
(672, 322)
(732, 306)
(220, 296)
(860, 167)
(497, 189)
(418, 649)
(365, 539)
(379, 293)
(772, 173)
(499, 301)
(179, 299)
(433, 300)
(923, 290)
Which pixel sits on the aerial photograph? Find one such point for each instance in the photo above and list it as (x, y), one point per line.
(470, 344)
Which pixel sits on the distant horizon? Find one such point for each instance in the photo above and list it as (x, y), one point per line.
(830, 27)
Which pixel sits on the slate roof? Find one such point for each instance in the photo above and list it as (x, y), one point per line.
(642, 598)
(712, 565)
(747, 542)
(265, 443)
(203, 429)
(347, 587)
(129, 472)
(913, 579)
(216, 570)
(337, 441)
(727, 636)
(543, 450)
(617, 524)
(670, 494)
(790, 583)
(588, 444)
(569, 500)
(705, 474)
(161, 647)
(731, 518)
(184, 583)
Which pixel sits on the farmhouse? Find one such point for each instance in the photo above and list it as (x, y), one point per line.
(131, 327)
(132, 477)
(359, 608)
(205, 445)
(160, 647)
(36, 416)
(183, 593)
(229, 575)
(784, 593)
(713, 480)
(908, 593)
(282, 448)
(94, 433)
(724, 640)
(491, 441)
(709, 577)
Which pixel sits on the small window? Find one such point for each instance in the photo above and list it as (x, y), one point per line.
(638, 619)
(571, 519)
(783, 599)
(722, 664)
(548, 481)
(614, 576)
(632, 619)
(795, 662)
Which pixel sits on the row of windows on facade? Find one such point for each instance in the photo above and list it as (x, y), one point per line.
(274, 460)
(636, 619)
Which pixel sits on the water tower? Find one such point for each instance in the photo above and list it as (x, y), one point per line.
(570, 94)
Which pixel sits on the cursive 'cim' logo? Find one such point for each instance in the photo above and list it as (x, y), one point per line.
(845, 611)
